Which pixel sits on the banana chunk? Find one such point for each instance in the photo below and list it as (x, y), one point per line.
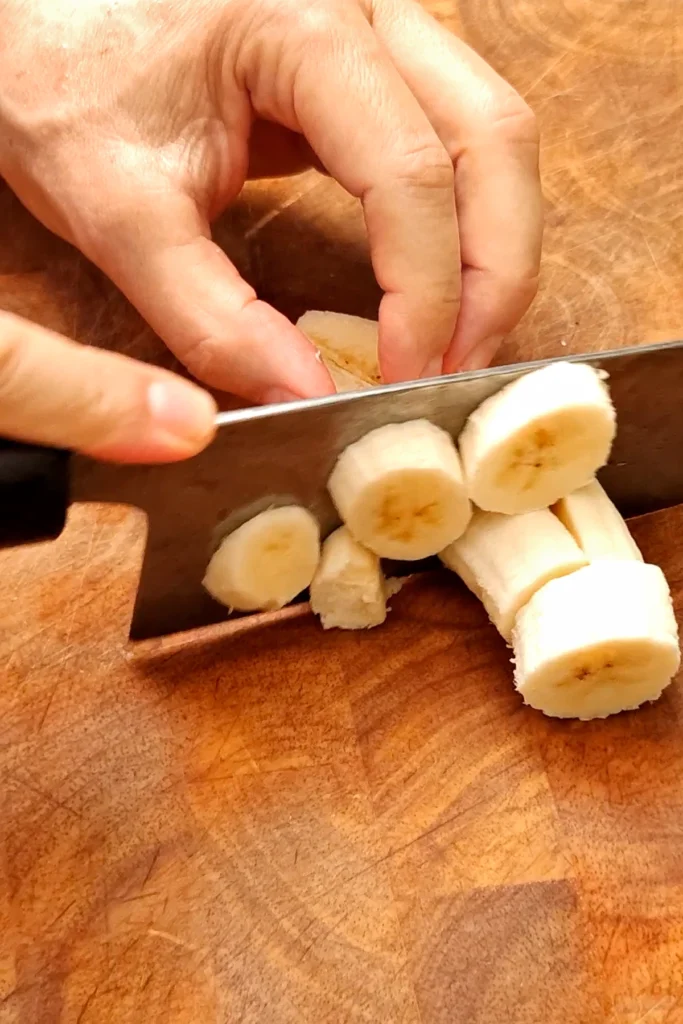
(348, 590)
(266, 562)
(539, 438)
(595, 643)
(347, 346)
(504, 560)
(596, 524)
(400, 490)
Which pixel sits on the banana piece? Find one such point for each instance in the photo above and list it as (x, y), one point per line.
(400, 490)
(348, 590)
(600, 641)
(539, 438)
(267, 561)
(504, 560)
(393, 584)
(347, 346)
(342, 379)
(596, 525)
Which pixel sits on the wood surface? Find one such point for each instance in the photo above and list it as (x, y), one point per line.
(295, 826)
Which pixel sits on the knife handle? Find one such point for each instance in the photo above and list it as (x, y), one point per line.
(34, 492)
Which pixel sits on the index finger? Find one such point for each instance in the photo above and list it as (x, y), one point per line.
(371, 134)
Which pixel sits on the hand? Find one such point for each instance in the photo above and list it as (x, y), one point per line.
(127, 128)
(55, 392)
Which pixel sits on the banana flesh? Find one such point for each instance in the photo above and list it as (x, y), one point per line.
(514, 509)
(504, 560)
(539, 438)
(347, 346)
(266, 562)
(400, 490)
(596, 525)
(597, 642)
(348, 590)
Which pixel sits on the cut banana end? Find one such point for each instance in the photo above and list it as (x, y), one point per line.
(539, 438)
(347, 345)
(596, 524)
(342, 379)
(504, 560)
(595, 643)
(400, 490)
(266, 562)
(348, 590)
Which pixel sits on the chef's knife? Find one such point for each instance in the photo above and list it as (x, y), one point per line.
(285, 453)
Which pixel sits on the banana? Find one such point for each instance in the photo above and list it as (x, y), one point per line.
(267, 561)
(347, 346)
(342, 379)
(504, 560)
(400, 490)
(596, 525)
(393, 584)
(597, 642)
(539, 438)
(348, 590)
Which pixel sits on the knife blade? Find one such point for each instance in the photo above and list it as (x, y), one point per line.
(279, 454)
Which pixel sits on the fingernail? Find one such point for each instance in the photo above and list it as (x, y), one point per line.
(433, 368)
(182, 410)
(274, 396)
(482, 354)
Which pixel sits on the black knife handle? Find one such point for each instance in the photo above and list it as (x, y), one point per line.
(34, 492)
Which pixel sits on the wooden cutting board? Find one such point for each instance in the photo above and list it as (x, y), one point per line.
(295, 826)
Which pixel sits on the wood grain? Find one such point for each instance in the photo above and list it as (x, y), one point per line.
(293, 826)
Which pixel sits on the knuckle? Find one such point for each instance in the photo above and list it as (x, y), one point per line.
(527, 288)
(202, 357)
(516, 295)
(314, 23)
(514, 121)
(317, 22)
(426, 166)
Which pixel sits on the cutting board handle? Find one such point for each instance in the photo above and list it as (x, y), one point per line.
(34, 492)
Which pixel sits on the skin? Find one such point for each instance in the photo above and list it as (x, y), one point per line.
(127, 127)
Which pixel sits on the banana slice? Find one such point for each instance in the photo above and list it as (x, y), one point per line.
(600, 641)
(596, 524)
(342, 379)
(400, 490)
(347, 345)
(348, 590)
(539, 438)
(267, 561)
(504, 560)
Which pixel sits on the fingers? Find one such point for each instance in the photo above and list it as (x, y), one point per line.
(491, 136)
(158, 250)
(58, 393)
(371, 134)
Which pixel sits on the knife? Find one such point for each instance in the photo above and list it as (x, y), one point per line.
(280, 454)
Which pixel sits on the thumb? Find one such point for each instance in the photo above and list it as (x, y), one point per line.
(161, 256)
(55, 392)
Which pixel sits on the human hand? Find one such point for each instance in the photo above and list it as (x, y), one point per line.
(127, 128)
(58, 393)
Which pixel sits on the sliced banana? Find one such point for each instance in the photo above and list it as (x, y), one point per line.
(400, 490)
(342, 379)
(596, 524)
(347, 345)
(393, 584)
(267, 561)
(348, 590)
(504, 560)
(595, 643)
(539, 438)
